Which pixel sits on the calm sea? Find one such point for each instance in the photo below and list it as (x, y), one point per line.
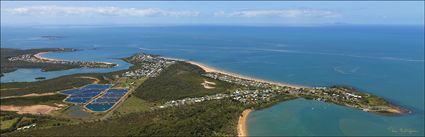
(387, 61)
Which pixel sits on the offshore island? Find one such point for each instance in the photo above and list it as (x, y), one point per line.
(156, 96)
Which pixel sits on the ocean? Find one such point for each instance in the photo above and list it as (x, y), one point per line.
(387, 61)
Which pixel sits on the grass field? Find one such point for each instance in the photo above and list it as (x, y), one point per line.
(126, 82)
(5, 124)
(133, 104)
(372, 100)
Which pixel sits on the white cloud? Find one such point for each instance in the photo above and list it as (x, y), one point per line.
(284, 13)
(104, 11)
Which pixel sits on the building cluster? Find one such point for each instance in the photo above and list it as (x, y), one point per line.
(27, 127)
(351, 95)
(34, 59)
(151, 65)
(186, 101)
(335, 95)
(237, 80)
(258, 92)
(243, 96)
(255, 96)
(249, 96)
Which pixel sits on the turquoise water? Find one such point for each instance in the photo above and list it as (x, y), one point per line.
(387, 61)
(311, 117)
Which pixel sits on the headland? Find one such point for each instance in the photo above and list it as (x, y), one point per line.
(13, 59)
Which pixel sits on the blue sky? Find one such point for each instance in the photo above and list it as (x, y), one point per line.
(212, 13)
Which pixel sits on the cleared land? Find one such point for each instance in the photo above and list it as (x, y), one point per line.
(29, 95)
(32, 109)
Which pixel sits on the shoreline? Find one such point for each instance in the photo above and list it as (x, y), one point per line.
(242, 123)
(40, 56)
(207, 68)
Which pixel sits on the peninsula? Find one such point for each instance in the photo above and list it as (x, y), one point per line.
(12, 59)
(164, 97)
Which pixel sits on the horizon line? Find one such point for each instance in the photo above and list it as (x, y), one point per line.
(200, 25)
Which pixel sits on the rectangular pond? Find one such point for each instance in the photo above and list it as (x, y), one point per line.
(84, 94)
(107, 100)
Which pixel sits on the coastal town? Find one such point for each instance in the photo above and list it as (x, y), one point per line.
(151, 65)
(263, 91)
(237, 80)
(37, 58)
(260, 91)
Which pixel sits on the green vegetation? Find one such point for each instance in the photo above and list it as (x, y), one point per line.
(135, 116)
(178, 81)
(6, 124)
(133, 104)
(140, 115)
(126, 82)
(376, 101)
(8, 66)
(11, 121)
(272, 101)
(40, 100)
(211, 118)
(45, 86)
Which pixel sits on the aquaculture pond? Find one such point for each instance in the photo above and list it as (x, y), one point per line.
(84, 94)
(107, 100)
(97, 97)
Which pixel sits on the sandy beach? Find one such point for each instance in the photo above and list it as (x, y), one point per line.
(40, 56)
(242, 123)
(211, 69)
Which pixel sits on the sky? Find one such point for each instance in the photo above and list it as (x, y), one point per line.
(212, 13)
